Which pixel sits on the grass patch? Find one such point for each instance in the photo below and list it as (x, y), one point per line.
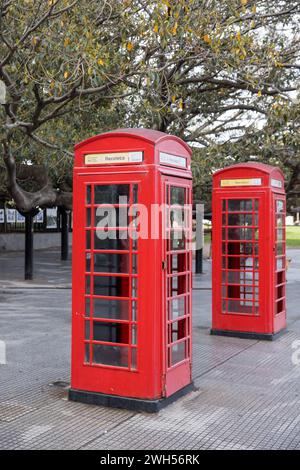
(293, 236)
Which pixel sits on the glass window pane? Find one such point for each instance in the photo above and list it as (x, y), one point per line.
(178, 353)
(279, 248)
(87, 330)
(86, 353)
(87, 306)
(88, 239)
(279, 206)
(111, 263)
(243, 248)
(177, 195)
(236, 262)
(88, 195)
(135, 194)
(177, 263)
(240, 234)
(110, 355)
(110, 194)
(134, 358)
(111, 286)
(279, 234)
(177, 217)
(134, 264)
(87, 284)
(133, 310)
(88, 262)
(134, 282)
(111, 217)
(134, 334)
(240, 219)
(240, 277)
(280, 263)
(239, 205)
(177, 330)
(177, 308)
(111, 308)
(88, 217)
(177, 240)
(111, 240)
(111, 332)
(179, 285)
(240, 307)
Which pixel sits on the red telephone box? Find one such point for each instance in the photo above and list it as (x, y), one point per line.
(132, 277)
(249, 264)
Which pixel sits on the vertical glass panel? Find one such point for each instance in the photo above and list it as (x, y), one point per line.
(134, 237)
(177, 217)
(280, 306)
(88, 262)
(134, 358)
(110, 355)
(224, 205)
(279, 206)
(134, 334)
(87, 284)
(178, 353)
(88, 195)
(177, 308)
(280, 263)
(177, 195)
(134, 310)
(279, 234)
(179, 285)
(135, 194)
(111, 308)
(88, 239)
(87, 329)
(134, 287)
(177, 330)
(279, 221)
(134, 264)
(177, 240)
(87, 306)
(177, 263)
(110, 194)
(88, 217)
(86, 353)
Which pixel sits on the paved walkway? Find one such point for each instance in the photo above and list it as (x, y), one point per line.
(248, 393)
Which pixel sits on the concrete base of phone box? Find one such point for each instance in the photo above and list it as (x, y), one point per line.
(248, 334)
(133, 404)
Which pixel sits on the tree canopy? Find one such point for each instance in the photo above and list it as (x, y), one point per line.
(224, 76)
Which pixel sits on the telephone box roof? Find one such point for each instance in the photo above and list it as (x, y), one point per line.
(253, 166)
(148, 135)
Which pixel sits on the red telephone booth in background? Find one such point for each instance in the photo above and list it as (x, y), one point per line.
(131, 333)
(249, 264)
